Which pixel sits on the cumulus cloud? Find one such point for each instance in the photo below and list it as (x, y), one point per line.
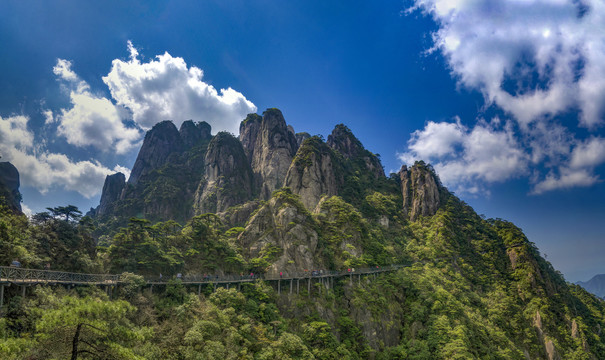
(487, 153)
(92, 120)
(44, 170)
(166, 88)
(532, 58)
(538, 61)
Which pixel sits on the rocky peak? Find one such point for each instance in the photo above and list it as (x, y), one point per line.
(228, 180)
(192, 133)
(248, 132)
(112, 189)
(343, 141)
(282, 234)
(9, 186)
(314, 172)
(300, 137)
(421, 190)
(273, 150)
(160, 142)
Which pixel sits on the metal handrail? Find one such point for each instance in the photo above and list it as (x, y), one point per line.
(23, 275)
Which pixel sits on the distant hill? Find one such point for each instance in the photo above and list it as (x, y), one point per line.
(596, 285)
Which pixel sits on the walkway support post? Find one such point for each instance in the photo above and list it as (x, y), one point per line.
(297, 286)
(309, 286)
(279, 287)
(291, 282)
(23, 291)
(1, 296)
(199, 289)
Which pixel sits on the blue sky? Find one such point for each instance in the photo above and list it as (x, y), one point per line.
(505, 98)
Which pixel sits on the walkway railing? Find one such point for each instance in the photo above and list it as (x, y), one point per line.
(9, 274)
(22, 276)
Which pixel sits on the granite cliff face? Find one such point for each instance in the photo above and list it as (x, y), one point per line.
(112, 191)
(9, 186)
(228, 179)
(192, 133)
(301, 137)
(272, 152)
(314, 173)
(281, 236)
(343, 141)
(249, 129)
(162, 141)
(189, 171)
(421, 191)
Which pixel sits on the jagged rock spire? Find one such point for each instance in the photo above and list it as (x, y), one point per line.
(421, 190)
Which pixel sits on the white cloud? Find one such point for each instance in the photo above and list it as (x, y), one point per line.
(44, 170)
(588, 154)
(26, 210)
(567, 178)
(48, 117)
(538, 60)
(64, 71)
(437, 139)
(487, 153)
(532, 58)
(166, 88)
(92, 120)
(578, 170)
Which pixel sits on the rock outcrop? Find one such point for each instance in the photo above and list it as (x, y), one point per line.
(192, 133)
(314, 172)
(421, 191)
(281, 234)
(228, 180)
(9, 186)
(160, 143)
(300, 137)
(270, 147)
(248, 133)
(112, 190)
(343, 141)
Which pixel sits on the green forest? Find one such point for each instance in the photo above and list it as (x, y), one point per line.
(478, 288)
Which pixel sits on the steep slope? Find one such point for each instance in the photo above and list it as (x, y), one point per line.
(281, 236)
(421, 189)
(164, 179)
(315, 172)
(270, 146)
(162, 141)
(112, 191)
(343, 141)
(228, 179)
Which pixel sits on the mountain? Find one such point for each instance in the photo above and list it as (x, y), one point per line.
(9, 186)
(595, 285)
(274, 201)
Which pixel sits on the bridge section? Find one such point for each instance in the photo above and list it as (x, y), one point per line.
(31, 277)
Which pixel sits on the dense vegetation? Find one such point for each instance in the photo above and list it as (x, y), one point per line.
(478, 289)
